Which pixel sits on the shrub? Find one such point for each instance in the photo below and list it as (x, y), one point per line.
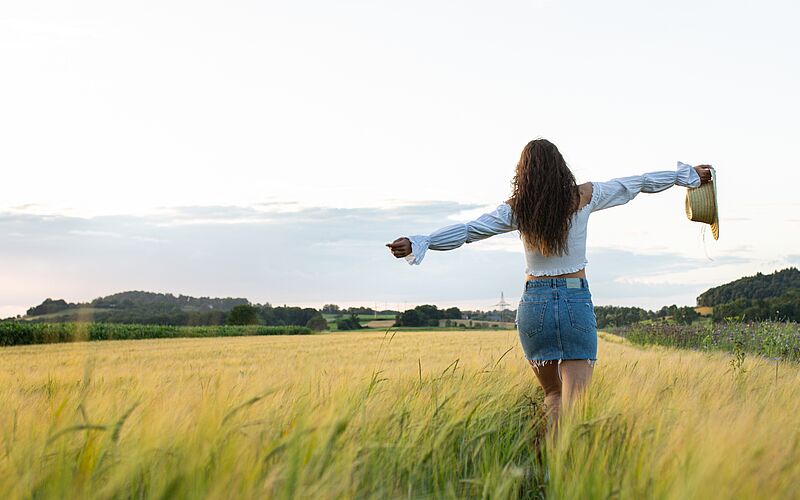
(317, 323)
(350, 323)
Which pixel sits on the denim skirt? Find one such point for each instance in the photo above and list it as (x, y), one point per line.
(556, 321)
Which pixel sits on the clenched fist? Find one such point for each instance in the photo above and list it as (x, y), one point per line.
(704, 171)
(400, 247)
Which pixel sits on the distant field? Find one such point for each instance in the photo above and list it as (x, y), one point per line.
(422, 414)
(704, 310)
(380, 323)
(366, 320)
(361, 317)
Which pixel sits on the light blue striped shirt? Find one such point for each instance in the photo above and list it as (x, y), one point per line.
(501, 220)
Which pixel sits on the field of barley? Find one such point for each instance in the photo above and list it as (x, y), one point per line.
(383, 415)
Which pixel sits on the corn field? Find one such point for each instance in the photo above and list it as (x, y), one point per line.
(24, 333)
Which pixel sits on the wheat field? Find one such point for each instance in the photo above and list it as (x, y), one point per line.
(388, 415)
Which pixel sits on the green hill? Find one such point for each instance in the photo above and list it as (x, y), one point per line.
(763, 296)
(760, 286)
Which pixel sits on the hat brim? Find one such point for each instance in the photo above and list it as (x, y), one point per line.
(715, 224)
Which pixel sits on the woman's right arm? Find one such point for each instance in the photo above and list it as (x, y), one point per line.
(414, 247)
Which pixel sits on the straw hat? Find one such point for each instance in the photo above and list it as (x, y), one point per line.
(701, 204)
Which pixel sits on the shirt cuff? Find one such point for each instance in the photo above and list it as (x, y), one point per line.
(419, 245)
(687, 176)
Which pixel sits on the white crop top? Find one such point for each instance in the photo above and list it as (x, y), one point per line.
(501, 220)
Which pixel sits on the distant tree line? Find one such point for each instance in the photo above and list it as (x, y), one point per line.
(149, 308)
(610, 316)
(429, 315)
(137, 304)
(166, 309)
(621, 316)
(426, 315)
(785, 307)
(334, 309)
(773, 296)
(125, 300)
(266, 315)
(50, 306)
(507, 315)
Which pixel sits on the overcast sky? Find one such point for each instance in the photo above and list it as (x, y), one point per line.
(270, 149)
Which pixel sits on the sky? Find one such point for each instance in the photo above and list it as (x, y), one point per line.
(269, 150)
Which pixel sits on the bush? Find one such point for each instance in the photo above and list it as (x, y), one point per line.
(317, 323)
(350, 323)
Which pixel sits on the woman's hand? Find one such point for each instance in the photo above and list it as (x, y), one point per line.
(400, 247)
(704, 171)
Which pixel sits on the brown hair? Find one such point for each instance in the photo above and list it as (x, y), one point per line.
(544, 197)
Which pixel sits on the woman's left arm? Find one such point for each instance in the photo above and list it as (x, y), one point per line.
(623, 189)
(498, 221)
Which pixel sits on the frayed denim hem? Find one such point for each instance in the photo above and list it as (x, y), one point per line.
(536, 363)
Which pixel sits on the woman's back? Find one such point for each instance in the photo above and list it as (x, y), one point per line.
(574, 258)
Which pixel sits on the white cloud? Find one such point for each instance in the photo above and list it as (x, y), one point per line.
(316, 255)
(108, 234)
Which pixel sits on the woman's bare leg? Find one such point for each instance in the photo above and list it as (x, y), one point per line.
(575, 377)
(551, 383)
(563, 383)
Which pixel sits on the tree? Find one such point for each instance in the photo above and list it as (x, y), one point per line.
(452, 313)
(685, 315)
(430, 312)
(350, 323)
(244, 314)
(331, 309)
(317, 323)
(411, 317)
(360, 310)
(49, 306)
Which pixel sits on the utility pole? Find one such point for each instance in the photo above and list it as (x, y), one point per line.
(503, 306)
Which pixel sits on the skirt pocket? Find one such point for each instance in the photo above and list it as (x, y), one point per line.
(581, 315)
(530, 316)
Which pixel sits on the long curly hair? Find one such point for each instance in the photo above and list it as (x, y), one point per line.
(544, 197)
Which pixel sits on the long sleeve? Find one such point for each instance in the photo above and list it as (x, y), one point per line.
(500, 220)
(623, 189)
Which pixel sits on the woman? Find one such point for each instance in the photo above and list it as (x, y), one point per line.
(555, 317)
